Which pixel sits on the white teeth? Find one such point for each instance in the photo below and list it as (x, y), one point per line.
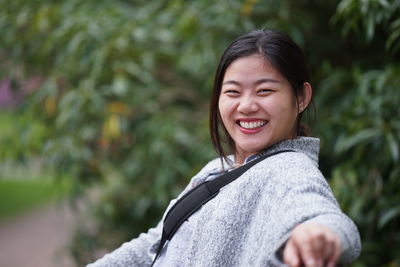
(252, 125)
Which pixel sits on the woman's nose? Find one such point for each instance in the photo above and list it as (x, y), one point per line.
(247, 104)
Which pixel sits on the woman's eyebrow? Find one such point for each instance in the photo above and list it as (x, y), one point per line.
(232, 82)
(265, 80)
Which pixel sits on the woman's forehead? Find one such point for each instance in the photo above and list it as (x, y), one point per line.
(255, 69)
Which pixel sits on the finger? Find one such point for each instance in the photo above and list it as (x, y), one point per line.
(304, 244)
(290, 255)
(319, 245)
(329, 248)
(336, 253)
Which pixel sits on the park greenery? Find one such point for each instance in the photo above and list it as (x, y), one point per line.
(115, 93)
(21, 195)
(25, 182)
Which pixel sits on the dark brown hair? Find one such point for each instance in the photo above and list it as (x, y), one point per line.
(282, 52)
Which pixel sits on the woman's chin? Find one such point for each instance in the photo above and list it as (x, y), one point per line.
(247, 149)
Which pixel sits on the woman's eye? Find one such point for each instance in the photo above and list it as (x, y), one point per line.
(231, 92)
(264, 91)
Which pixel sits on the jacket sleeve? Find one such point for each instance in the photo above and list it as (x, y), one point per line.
(307, 198)
(137, 252)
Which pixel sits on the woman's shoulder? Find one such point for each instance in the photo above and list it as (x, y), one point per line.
(291, 158)
(293, 153)
(291, 172)
(290, 165)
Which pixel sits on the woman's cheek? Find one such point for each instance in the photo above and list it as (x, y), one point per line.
(223, 108)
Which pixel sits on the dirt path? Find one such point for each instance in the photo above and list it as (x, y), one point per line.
(38, 238)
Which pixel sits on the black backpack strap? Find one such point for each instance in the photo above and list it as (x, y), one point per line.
(198, 196)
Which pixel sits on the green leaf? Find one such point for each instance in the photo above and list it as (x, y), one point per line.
(393, 145)
(364, 136)
(388, 215)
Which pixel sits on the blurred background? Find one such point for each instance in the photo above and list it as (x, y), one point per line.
(104, 114)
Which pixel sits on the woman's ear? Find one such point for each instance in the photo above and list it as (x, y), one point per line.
(305, 98)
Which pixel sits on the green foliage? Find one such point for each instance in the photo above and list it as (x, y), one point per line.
(123, 101)
(368, 16)
(21, 136)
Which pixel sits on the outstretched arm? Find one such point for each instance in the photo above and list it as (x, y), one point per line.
(317, 232)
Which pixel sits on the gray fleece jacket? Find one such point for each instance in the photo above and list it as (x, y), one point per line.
(250, 219)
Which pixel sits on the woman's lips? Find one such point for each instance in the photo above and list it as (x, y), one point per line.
(251, 126)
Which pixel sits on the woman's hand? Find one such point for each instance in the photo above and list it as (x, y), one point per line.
(312, 245)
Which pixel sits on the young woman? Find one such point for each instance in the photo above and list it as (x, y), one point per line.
(279, 211)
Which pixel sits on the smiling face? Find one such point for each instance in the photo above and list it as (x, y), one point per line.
(257, 106)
